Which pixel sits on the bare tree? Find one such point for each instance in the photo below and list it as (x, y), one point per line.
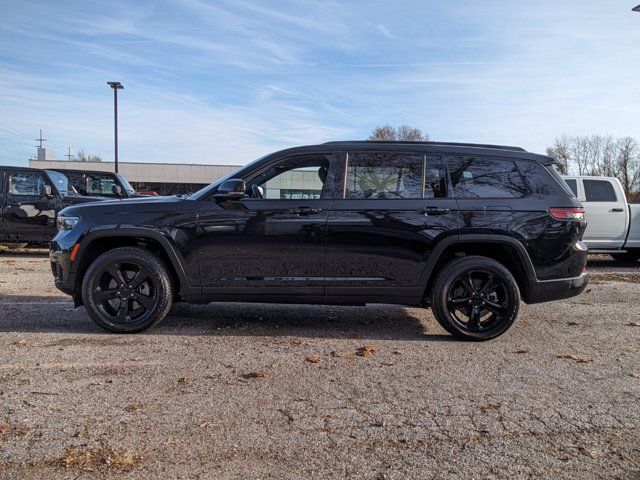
(407, 133)
(81, 156)
(600, 155)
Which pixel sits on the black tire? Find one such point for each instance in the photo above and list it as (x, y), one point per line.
(632, 255)
(141, 297)
(475, 298)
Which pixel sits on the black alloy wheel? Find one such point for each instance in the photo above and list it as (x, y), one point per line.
(127, 290)
(475, 298)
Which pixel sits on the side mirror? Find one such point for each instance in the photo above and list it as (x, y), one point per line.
(232, 188)
(116, 190)
(46, 191)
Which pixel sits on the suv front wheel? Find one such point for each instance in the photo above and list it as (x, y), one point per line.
(475, 298)
(127, 290)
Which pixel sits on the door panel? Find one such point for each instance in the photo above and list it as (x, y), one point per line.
(607, 220)
(272, 241)
(29, 215)
(382, 231)
(264, 244)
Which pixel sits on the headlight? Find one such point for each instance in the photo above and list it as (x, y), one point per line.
(67, 223)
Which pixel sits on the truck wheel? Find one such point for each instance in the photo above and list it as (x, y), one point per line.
(632, 255)
(475, 298)
(127, 290)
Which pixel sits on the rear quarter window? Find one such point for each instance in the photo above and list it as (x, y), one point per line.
(542, 181)
(485, 177)
(599, 191)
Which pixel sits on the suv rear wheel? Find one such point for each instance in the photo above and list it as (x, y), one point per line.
(475, 298)
(127, 290)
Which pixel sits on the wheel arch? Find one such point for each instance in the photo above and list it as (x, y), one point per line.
(96, 243)
(507, 250)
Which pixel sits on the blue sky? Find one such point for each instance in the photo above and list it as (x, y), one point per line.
(227, 81)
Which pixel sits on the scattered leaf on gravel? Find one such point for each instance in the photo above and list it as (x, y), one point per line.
(20, 342)
(256, 374)
(490, 406)
(588, 290)
(633, 324)
(521, 350)
(312, 358)
(208, 425)
(183, 380)
(366, 351)
(573, 323)
(634, 375)
(296, 341)
(576, 358)
(398, 352)
(592, 452)
(99, 457)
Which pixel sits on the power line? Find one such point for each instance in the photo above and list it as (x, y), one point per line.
(16, 131)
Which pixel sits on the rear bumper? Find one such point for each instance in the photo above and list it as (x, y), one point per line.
(549, 290)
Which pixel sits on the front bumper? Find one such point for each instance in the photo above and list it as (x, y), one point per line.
(62, 267)
(549, 290)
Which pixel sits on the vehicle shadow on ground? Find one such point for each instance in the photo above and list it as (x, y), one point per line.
(40, 314)
(31, 252)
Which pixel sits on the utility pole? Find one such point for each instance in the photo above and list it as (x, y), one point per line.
(116, 86)
(68, 155)
(40, 139)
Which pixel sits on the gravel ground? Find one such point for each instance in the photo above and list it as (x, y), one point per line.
(276, 391)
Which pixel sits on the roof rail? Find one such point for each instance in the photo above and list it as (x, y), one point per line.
(453, 144)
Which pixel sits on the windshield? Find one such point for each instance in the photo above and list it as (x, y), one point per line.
(127, 186)
(61, 182)
(203, 192)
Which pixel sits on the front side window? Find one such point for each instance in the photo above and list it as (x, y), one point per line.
(483, 177)
(26, 184)
(298, 178)
(599, 191)
(384, 175)
(101, 185)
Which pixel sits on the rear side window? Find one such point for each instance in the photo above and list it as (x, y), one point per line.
(485, 177)
(599, 191)
(384, 175)
(25, 184)
(573, 185)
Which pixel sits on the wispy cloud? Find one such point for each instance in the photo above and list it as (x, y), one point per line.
(226, 81)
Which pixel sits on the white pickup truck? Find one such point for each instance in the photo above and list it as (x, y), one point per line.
(613, 225)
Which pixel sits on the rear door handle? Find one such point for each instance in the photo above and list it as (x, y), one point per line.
(435, 211)
(617, 210)
(305, 211)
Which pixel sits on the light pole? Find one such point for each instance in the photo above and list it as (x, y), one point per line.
(116, 86)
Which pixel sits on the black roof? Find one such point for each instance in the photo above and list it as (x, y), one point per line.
(448, 144)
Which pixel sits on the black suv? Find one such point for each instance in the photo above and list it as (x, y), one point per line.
(29, 201)
(467, 229)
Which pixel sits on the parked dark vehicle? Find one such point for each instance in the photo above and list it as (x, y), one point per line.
(467, 229)
(30, 199)
(100, 184)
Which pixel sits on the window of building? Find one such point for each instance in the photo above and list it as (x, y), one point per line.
(384, 175)
(482, 177)
(27, 184)
(599, 191)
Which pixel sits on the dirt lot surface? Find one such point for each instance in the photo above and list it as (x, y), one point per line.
(273, 391)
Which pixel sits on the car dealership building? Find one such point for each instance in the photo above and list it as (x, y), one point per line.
(174, 178)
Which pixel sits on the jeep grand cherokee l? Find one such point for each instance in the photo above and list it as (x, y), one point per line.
(466, 229)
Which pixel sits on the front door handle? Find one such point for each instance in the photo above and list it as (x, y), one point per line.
(302, 211)
(435, 211)
(617, 210)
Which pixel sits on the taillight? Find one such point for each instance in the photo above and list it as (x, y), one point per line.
(567, 213)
